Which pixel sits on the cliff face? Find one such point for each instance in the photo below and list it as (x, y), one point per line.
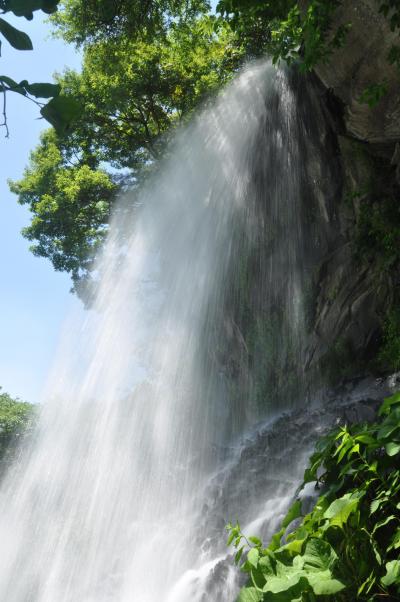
(354, 292)
(349, 152)
(362, 62)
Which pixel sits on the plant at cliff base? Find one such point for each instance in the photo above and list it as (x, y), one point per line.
(60, 110)
(347, 547)
(15, 419)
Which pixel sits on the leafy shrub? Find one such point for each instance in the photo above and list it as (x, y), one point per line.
(15, 418)
(347, 547)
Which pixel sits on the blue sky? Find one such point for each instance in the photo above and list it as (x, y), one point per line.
(34, 299)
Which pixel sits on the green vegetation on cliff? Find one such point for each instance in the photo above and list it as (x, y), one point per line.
(347, 547)
(16, 417)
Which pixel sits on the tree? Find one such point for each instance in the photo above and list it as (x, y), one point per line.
(132, 94)
(70, 202)
(16, 417)
(83, 21)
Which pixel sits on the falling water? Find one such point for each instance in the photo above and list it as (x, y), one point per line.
(106, 503)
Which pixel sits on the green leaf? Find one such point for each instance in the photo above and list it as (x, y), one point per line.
(18, 39)
(253, 556)
(318, 555)
(388, 403)
(26, 8)
(293, 513)
(392, 573)
(340, 510)
(392, 448)
(375, 505)
(256, 540)
(60, 112)
(390, 424)
(249, 594)
(43, 90)
(365, 438)
(293, 547)
(238, 555)
(383, 522)
(285, 582)
(395, 542)
(49, 6)
(276, 540)
(323, 584)
(13, 86)
(266, 565)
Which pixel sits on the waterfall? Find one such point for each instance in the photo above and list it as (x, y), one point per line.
(107, 503)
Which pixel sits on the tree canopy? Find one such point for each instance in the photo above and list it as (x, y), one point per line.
(83, 21)
(147, 65)
(132, 94)
(16, 417)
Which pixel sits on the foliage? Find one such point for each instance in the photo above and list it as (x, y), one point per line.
(373, 93)
(253, 21)
(60, 110)
(347, 547)
(132, 95)
(82, 21)
(378, 231)
(15, 418)
(391, 10)
(70, 203)
(286, 31)
(389, 354)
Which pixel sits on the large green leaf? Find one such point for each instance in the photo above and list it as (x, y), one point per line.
(285, 582)
(252, 557)
(339, 511)
(42, 90)
(26, 8)
(12, 85)
(18, 39)
(323, 584)
(61, 112)
(392, 573)
(390, 424)
(392, 448)
(318, 555)
(388, 403)
(249, 594)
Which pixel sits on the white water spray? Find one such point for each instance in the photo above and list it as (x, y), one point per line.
(105, 504)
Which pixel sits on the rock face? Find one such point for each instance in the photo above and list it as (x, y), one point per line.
(354, 295)
(351, 158)
(361, 62)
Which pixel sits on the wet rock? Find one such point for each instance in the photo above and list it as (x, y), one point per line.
(362, 62)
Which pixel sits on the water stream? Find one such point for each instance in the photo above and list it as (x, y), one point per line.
(122, 493)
